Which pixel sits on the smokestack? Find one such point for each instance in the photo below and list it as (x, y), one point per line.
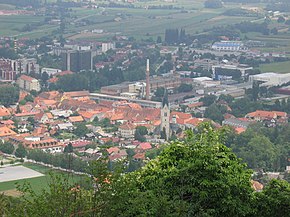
(147, 81)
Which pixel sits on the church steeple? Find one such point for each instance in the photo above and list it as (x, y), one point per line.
(165, 99)
(165, 117)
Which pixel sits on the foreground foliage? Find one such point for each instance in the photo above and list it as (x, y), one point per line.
(196, 177)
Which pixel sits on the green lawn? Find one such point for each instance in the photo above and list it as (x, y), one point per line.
(41, 183)
(281, 67)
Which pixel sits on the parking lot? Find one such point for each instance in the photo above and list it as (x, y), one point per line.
(12, 173)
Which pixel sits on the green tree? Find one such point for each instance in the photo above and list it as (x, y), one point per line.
(208, 99)
(185, 88)
(196, 177)
(281, 19)
(213, 4)
(259, 152)
(6, 147)
(9, 94)
(68, 149)
(226, 98)
(274, 200)
(81, 130)
(214, 112)
(20, 151)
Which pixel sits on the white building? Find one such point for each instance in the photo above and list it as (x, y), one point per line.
(50, 71)
(228, 46)
(28, 83)
(25, 66)
(270, 79)
(107, 46)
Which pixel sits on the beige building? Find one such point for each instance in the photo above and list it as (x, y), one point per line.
(28, 83)
(127, 130)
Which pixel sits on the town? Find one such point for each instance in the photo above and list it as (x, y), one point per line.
(126, 100)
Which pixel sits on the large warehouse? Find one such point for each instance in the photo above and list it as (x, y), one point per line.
(271, 79)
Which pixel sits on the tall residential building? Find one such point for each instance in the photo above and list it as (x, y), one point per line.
(28, 83)
(107, 46)
(165, 117)
(25, 66)
(77, 60)
(9, 68)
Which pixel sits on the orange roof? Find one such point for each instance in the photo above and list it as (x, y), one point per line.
(194, 105)
(5, 131)
(76, 119)
(4, 112)
(145, 146)
(257, 186)
(88, 114)
(49, 115)
(22, 95)
(181, 115)
(127, 126)
(194, 121)
(23, 114)
(140, 156)
(266, 114)
(26, 78)
(240, 130)
(53, 80)
(77, 93)
(113, 149)
(63, 73)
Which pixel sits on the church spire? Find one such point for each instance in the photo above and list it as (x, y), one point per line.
(165, 99)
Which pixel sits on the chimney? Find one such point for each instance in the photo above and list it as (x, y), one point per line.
(147, 81)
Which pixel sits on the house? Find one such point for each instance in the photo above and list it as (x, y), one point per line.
(269, 117)
(25, 115)
(115, 153)
(76, 119)
(143, 147)
(127, 130)
(61, 113)
(65, 126)
(44, 143)
(44, 118)
(28, 83)
(139, 157)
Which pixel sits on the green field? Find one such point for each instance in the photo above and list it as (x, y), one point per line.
(281, 67)
(41, 183)
(141, 23)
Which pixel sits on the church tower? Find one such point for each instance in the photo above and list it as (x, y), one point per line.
(165, 118)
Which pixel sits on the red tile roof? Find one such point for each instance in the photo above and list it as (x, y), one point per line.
(5, 131)
(27, 78)
(144, 146)
(76, 119)
(4, 112)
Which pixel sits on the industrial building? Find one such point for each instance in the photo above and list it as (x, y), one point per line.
(228, 72)
(110, 98)
(168, 82)
(229, 46)
(270, 79)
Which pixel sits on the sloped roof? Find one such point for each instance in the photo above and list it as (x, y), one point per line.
(5, 131)
(76, 119)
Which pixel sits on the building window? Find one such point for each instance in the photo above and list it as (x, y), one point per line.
(165, 114)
